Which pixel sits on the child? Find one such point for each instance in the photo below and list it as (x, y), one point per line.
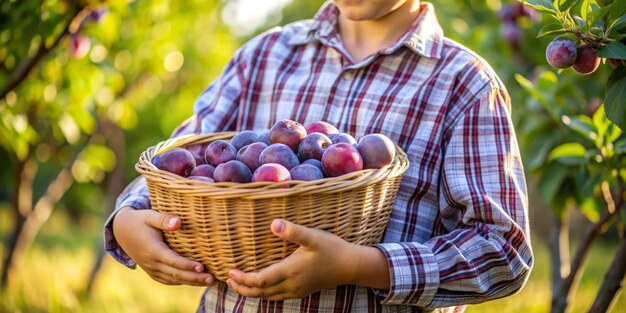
(458, 233)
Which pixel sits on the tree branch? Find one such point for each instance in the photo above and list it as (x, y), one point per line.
(559, 249)
(613, 280)
(22, 71)
(567, 287)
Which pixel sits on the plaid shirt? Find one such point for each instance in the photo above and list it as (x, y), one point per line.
(458, 233)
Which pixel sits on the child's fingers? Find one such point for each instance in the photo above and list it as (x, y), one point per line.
(184, 277)
(256, 292)
(167, 256)
(293, 232)
(267, 277)
(162, 221)
(163, 279)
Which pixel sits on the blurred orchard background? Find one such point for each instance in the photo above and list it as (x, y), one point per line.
(86, 85)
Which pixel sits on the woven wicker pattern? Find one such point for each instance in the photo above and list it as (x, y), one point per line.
(226, 225)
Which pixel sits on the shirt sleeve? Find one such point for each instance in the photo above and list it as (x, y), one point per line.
(483, 195)
(214, 110)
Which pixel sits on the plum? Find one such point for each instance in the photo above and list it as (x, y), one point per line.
(316, 163)
(203, 170)
(343, 137)
(156, 160)
(512, 33)
(587, 60)
(377, 150)
(249, 155)
(281, 154)
(507, 13)
(243, 138)
(202, 178)
(561, 53)
(321, 127)
(232, 171)
(287, 132)
(79, 46)
(264, 137)
(616, 62)
(178, 161)
(198, 152)
(97, 14)
(271, 172)
(219, 151)
(313, 146)
(306, 172)
(341, 158)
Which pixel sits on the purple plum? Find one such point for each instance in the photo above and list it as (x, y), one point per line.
(178, 161)
(306, 172)
(219, 151)
(279, 153)
(232, 171)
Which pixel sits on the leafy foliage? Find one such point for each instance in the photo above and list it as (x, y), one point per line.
(147, 59)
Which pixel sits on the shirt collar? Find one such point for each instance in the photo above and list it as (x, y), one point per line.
(425, 37)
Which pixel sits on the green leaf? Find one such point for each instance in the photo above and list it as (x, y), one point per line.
(567, 4)
(617, 25)
(613, 50)
(620, 146)
(581, 125)
(560, 202)
(551, 29)
(596, 15)
(540, 147)
(615, 98)
(572, 153)
(541, 5)
(612, 133)
(590, 208)
(618, 9)
(607, 131)
(584, 11)
(551, 180)
(537, 94)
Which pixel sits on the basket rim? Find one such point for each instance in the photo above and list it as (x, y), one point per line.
(257, 190)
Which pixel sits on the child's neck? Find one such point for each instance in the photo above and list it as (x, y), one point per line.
(364, 38)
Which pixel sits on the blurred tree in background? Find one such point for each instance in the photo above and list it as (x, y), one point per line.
(86, 85)
(75, 78)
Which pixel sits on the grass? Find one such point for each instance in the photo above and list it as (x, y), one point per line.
(53, 275)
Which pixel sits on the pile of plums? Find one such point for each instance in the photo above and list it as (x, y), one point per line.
(288, 151)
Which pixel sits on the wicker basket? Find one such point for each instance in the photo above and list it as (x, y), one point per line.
(227, 225)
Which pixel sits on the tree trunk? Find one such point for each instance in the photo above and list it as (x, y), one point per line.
(32, 218)
(559, 251)
(613, 280)
(41, 213)
(22, 206)
(560, 301)
(114, 186)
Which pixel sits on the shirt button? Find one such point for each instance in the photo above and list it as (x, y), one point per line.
(347, 75)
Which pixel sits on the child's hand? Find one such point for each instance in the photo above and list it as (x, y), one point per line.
(138, 232)
(323, 260)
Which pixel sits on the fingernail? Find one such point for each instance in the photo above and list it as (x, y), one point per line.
(199, 268)
(279, 226)
(229, 282)
(209, 280)
(172, 222)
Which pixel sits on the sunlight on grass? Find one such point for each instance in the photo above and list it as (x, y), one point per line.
(52, 278)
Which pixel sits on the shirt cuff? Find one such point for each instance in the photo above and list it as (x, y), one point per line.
(110, 243)
(414, 274)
